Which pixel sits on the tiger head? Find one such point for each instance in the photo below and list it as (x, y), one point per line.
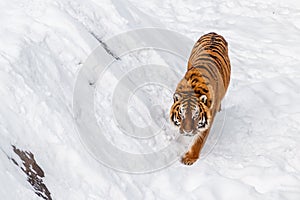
(191, 109)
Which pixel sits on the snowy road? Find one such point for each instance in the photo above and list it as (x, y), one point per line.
(44, 44)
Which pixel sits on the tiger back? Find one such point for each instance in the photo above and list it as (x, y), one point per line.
(210, 56)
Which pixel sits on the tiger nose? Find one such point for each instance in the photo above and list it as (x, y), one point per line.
(188, 132)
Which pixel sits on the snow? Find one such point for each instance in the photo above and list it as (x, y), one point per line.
(45, 44)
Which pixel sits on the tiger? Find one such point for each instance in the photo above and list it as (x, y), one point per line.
(198, 95)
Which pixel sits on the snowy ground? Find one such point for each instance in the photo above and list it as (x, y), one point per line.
(44, 44)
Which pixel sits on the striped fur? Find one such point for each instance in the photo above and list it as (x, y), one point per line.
(198, 95)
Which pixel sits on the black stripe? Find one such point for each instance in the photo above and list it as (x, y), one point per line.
(213, 59)
(211, 73)
(224, 59)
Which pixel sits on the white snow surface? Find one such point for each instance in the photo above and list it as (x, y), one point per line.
(44, 45)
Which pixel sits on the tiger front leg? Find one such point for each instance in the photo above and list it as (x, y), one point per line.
(193, 153)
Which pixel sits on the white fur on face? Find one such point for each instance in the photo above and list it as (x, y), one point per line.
(203, 123)
(182, 112)
(195, 112)
(176, 121)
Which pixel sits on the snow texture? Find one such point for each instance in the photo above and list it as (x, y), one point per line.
(44, 44)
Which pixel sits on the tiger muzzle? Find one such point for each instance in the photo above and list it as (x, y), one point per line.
(191, 133)
(187, 127)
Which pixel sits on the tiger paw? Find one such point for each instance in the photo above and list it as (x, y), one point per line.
(188, 159)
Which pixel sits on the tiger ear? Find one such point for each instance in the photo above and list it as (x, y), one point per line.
(203, 98)
(176, 97)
